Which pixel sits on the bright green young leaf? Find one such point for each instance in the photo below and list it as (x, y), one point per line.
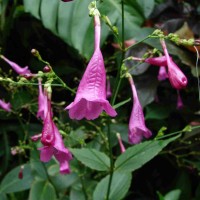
(92, 158)
(173, 195)
(11, 182)
(136, 156)
(119, 186)
(42, 190)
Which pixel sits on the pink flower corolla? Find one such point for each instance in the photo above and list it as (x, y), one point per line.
(16, 67)
(157, 61)
(5, 106)
(137, 127)
(42, 102)
(90, 98)
(179, 104)
(53, 144)
(162, 73)
(176, 77)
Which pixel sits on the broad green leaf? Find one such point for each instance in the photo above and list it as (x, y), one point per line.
(92, 158)
(119, 186)
(76, 194)
(71, 22)
(11, 182)
(3, 196)
(61, 181)
(42, 190)
(136, 156)
(173, 195)
(147, 6)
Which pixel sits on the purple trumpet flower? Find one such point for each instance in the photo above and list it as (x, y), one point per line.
(137, 127)
(158, 61)
(90, 98)
(5, 106)
(42, 102)
(176, 77)
(53, 144)
(162, 74)
(16, 67)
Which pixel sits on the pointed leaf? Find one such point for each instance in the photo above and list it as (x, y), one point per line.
(119, 186)
(11, 182)
(92, 158)
(136, 156)
(42, 190)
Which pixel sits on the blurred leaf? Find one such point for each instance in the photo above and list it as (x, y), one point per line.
(156, 111)
(119, 186)
(147, 6)
(76, 195)
(60, 181)
(173, 195)
(11, 182)
(42, 190)
(64, 19)
(92, 158)
(3, 196)
(184, 184)
(136, 156)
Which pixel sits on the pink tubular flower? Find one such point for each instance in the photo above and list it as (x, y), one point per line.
(90, 98)
(42, 102)
(162, 74)
(179, 104)
(176, 77)
(5, 106)
(53, 144)
(158, 61)
(16, 67)
(137, 127)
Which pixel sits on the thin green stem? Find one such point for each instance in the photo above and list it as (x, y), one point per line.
(111, 162)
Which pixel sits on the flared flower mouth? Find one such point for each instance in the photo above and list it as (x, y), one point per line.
(89, 109)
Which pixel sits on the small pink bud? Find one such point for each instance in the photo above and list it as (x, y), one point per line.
(20, 174)
(46, 69)
(35, 138)
(120, 143)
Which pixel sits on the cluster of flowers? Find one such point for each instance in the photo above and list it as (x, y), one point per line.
(91, 100)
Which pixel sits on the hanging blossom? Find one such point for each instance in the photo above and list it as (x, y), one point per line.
(5, 106)
(42, 102)
(90, 98)
(52, 142)
(179, 103)
(176, 77)
(137, 127)
(162, 73)
(16, 67)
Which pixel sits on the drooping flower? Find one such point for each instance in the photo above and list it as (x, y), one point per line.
(53, 144)
(5, 106)
(122, 148)
(176, 77)
(16, 67)
(179, 104)
(162, 73)
(42, 102)
(90, 98)
(157, 61)
(108, 89)
(137, 127)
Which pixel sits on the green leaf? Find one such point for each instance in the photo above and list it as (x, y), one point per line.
(3, 196)
(92, 158)
(42, 190)
(60, 181)
(11, 182)
(147, 6)
(76, 194)
(173, 195)
(71, 21)
(136, 156)
(119, 186)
